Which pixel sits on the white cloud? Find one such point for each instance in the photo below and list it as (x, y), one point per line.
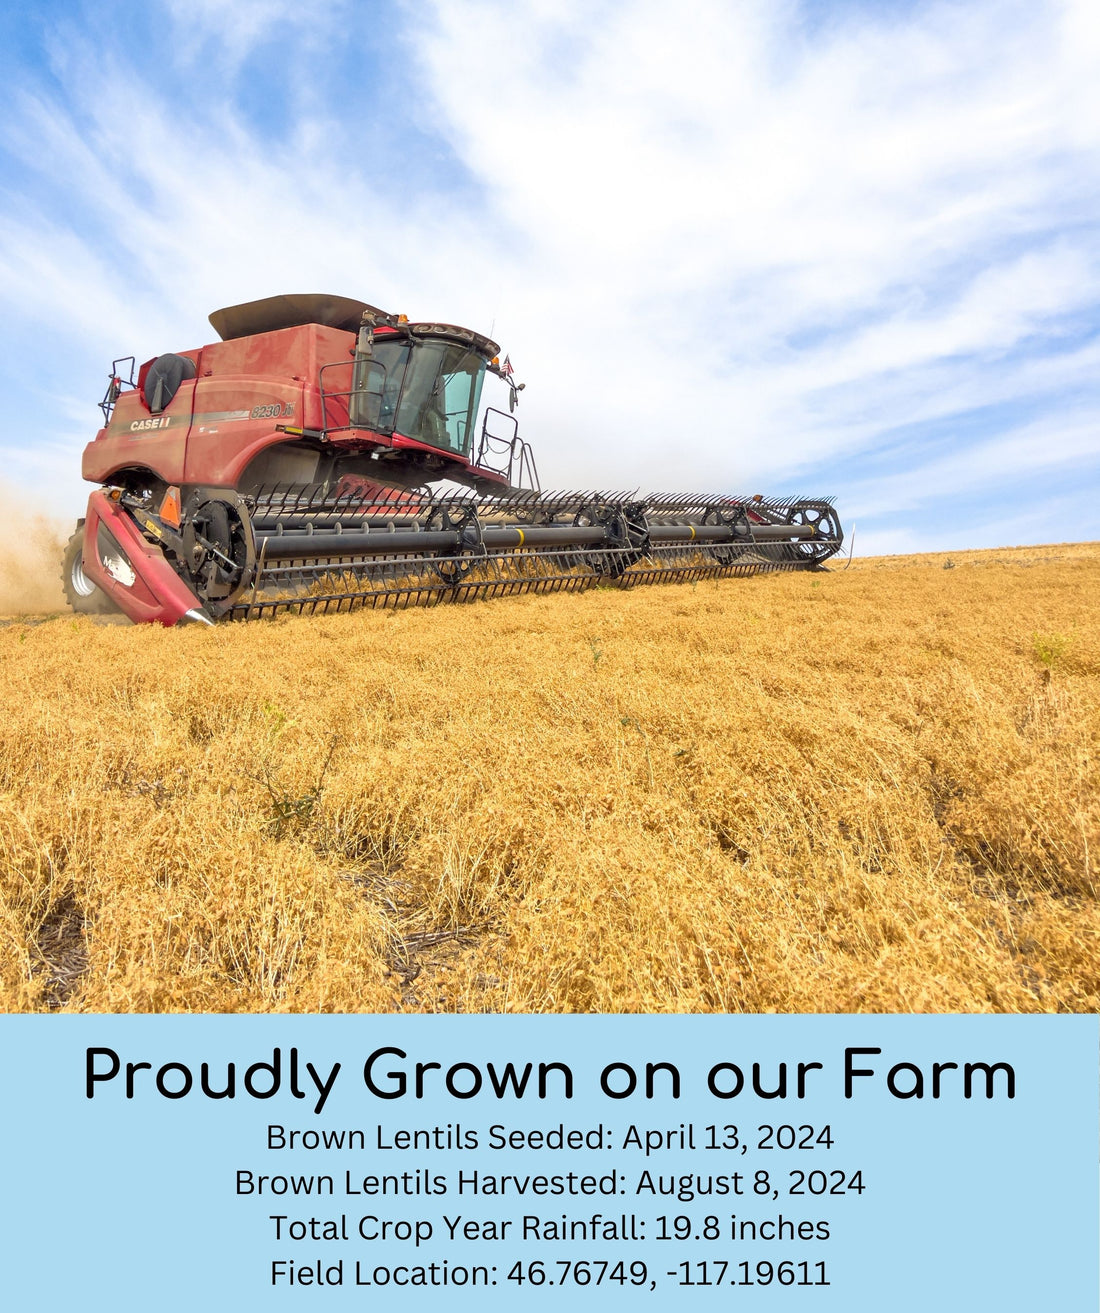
(1005, 462)
(235, 27)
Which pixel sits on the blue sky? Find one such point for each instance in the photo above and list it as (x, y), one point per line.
(791, 247)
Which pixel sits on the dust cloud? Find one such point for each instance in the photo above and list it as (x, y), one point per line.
(31, 544)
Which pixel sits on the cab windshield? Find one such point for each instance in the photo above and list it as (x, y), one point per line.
(428, 391)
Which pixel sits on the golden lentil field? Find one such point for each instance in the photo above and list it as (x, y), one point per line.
(867, 789)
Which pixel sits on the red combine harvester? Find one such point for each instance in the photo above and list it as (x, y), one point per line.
(287, 466)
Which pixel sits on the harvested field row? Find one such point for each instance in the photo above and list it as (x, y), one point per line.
(872, 789)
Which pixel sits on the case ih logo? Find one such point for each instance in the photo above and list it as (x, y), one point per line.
(142, 425)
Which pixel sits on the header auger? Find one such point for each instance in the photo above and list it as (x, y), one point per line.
(287, 467)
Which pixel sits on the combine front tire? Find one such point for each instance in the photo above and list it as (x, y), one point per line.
(80, 593)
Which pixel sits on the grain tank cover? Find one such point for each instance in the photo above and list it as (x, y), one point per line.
(291, 311)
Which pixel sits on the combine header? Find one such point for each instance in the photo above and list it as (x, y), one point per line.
(287, 466)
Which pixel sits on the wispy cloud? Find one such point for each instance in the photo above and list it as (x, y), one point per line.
(736, 250)
(233, 30)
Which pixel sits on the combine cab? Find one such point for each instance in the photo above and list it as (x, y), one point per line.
(287, 467)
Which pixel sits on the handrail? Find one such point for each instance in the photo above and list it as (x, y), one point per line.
(115, 383)
(346, 394)
(519, 466)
